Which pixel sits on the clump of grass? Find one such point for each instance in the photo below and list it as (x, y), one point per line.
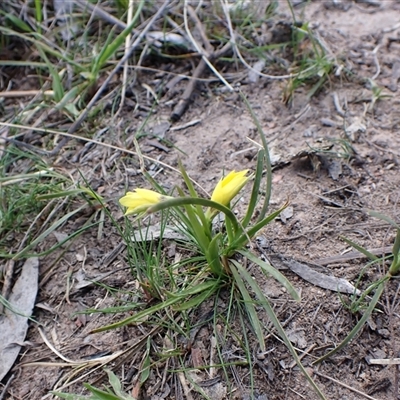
(32, 194)
(364, 301)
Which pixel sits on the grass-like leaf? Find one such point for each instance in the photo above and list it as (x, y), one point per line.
(248, 302)
(384, 218)
(174, 298)
(360, 323)
(267, 158)
(361, 249)
(256, 188)
(268, 269)
(275, 321)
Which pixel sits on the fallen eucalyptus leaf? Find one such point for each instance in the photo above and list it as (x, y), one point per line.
(14, 322)
(319, 279)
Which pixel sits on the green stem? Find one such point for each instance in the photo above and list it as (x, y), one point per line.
(182, 201)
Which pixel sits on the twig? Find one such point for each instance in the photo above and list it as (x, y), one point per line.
(338, 107)
(185, 387)
(208, 55)
(207, 61)
(99, 12)
(26, 93)
(126, 64)
(187, 94)
(352, 256)
(395, 76)
(184, 126)
(76, 125)
(6, 386)
(376, 61)
(95, 361)
(8, 279)
(344, 385)
(302, 355)
(3, 138)
(384, 361)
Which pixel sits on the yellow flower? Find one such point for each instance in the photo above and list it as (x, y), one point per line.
(227, 188)
(140, 200)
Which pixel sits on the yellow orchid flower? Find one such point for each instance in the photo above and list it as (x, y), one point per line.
(227, 188)
(140, 200)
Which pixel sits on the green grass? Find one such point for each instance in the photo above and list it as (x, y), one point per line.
(369, 298)
(36, 200)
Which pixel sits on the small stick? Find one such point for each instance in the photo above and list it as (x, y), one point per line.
(6, 386)
(376, 61)
(99, 12)
(338, 107)
(198, 72)
(344, 385)
(126, 64)
(7, 285)
(302, 355)
(384, 361)
(352, 256)
(76, 125)
(185, 387)
(187, 94)
(26, 93)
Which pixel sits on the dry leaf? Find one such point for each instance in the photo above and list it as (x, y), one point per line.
(14, 324)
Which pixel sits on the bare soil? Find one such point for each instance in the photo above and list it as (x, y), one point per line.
(329, 195)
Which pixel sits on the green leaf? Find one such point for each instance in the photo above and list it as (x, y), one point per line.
(114, 382)
(181, 201)
(187, 180)
(56, 80)
(194, 194)
(259, 225)
(275, 321)
(360, 323)
(69, 396)
(240, 242)
(197, 229)
(213, 256)
(65, 193)
(100, 394)
(255, 189)
(229, 230)
(145, 367)
(40, 42)
(19, 23)
(361, 249)
(197, 300)
(110, 48)
(268, 269)
(395, 267)
(38, 13)
(175, 298)
(268, 181)
(66, 102)
(384, 218)
(139, 316)
(248, 303)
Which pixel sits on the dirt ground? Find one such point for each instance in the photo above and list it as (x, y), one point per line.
(329, 192)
